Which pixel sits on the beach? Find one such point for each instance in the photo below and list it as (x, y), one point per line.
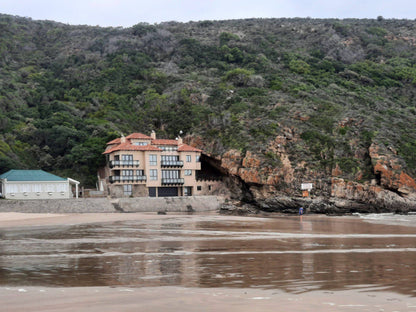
(171, 299)
(206, 262)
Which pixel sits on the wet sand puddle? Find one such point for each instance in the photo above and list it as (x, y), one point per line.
(315, 253)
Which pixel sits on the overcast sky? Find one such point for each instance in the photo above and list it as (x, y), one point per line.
(130, 12)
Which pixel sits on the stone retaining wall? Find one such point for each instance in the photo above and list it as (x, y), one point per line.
(169, 204)
(97, 205)
(80, 205)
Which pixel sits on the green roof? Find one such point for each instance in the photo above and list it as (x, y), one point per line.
(30, 175)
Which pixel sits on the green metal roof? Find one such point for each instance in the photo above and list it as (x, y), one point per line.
(30, 175)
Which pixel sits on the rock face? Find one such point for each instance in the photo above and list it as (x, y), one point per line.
(390, 172)
(272, 182)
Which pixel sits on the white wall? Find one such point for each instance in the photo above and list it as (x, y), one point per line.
(36, 190)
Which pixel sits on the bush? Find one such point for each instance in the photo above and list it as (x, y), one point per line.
(239, 76)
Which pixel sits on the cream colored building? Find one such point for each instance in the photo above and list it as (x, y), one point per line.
(140, 165)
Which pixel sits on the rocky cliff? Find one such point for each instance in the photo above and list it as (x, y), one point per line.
(261, 184)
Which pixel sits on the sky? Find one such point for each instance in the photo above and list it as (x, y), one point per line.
(127, 13)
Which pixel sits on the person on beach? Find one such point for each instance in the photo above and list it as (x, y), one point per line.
(301, 211)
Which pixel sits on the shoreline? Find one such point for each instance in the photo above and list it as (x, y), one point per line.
(29, 219)
(25, 219)
(22, 219)
(173, 298)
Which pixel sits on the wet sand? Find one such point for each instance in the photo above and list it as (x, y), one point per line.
(170, 299)
(204, 263)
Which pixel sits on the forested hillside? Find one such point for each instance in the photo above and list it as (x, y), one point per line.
(331, 88)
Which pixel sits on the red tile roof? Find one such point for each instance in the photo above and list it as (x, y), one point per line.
(130, 147)
(164, 142)
(137, 135)
(115, 141)
(127, 146)
(188, 148)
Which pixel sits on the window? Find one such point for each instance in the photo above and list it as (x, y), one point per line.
(199, 188)
(126, 172)
(198, 158)
(188, 158)
(50, 188)
(140, 143)
(37, 188)
(170, 158)
(140, 172)
(188, 172)
(153, 174)
(61, 187)
(26, 188)
(127, 189)
(170, 174)
(12, 188)
(168, 148)
(153, 160)
(127, 157)
(187, 191)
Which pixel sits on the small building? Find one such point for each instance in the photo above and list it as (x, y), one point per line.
(35, 184)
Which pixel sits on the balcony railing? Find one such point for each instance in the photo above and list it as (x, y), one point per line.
(124, 163)
(132, 178)
(173, 181)
(171, 163)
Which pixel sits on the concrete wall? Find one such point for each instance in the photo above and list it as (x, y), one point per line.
(28, 190)
(97, 205)
(80, 205)
(169, 204)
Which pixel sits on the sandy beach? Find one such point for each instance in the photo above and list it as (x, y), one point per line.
(17, 219)
(181, 297)
(170, 299)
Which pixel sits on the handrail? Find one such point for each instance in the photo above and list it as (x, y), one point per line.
(171, 163)
(126, 163)
(173, 181)
(132, 178)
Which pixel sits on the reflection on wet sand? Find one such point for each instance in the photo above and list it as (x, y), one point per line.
(287, 253)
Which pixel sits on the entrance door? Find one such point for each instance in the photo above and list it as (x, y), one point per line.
(187, 191)
(152, 192)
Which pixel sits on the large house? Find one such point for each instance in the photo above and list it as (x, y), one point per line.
(139, 165)
(35, 184)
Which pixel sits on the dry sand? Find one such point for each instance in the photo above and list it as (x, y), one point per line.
(17, 219)
(124, 299)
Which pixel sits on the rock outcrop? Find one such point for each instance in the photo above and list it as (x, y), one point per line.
(272, 182)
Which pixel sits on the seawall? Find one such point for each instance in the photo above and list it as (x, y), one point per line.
(105, 205)
(169, 204)
(80, 205)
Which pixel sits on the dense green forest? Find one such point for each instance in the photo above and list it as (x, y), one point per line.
(342, 84)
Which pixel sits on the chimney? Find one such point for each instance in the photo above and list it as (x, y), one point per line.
(180, 141)
(153, 135)
(123, 139)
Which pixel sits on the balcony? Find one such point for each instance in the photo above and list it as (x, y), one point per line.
(173, 181)
(132, 178)
(124, 163)
(171, 163)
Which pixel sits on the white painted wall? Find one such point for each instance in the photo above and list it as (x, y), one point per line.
(36, 189)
